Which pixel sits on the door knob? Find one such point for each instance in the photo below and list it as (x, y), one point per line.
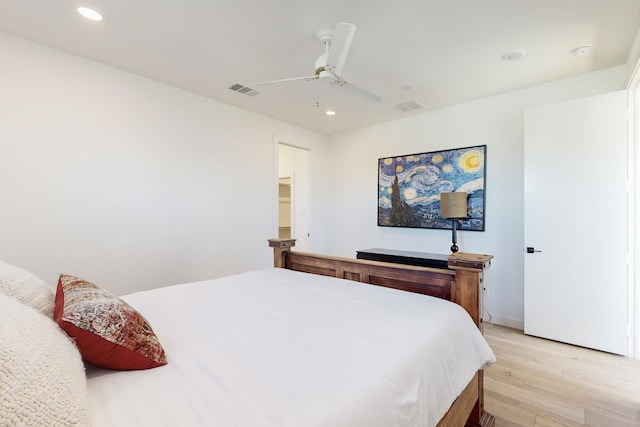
(531, 250)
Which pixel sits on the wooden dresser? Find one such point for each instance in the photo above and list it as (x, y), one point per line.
(468, 267)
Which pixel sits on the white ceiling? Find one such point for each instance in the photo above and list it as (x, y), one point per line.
(436, 52)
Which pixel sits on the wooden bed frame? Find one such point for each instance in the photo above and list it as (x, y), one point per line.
(460, 283)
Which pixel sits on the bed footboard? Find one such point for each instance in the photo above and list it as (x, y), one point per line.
(460, 283)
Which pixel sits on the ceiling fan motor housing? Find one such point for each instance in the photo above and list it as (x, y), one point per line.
(322, 68)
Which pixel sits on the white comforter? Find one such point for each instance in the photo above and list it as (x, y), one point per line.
(282, 348)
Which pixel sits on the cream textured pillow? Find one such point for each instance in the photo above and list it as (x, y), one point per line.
(27, 288)
(42, 379)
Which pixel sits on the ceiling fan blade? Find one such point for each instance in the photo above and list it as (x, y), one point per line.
(307, 78)
(355, 90)
(340, 43)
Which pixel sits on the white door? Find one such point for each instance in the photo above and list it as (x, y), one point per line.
(575, 180)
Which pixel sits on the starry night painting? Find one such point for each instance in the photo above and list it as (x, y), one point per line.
(409, 187)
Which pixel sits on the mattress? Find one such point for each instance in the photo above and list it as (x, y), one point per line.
(283, 348)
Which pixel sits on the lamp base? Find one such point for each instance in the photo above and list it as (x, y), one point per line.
(454, 239)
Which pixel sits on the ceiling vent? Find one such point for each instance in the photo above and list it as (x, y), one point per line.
(244, 90)
(409, 106)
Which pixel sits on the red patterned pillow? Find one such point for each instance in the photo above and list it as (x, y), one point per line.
(108, 331)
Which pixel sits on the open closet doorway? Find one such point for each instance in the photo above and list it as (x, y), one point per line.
(284, 207)
(294, 195)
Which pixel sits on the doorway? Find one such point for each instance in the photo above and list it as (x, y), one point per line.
(294, 195)
(633, 107)
(284, 207)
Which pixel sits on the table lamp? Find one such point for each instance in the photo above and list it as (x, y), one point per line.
(453, 206)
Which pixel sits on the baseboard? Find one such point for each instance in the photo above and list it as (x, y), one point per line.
(505, 321)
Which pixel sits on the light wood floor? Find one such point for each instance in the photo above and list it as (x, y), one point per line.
(538, 382)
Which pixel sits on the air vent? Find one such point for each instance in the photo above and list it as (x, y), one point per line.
(244, 90)
(409, 106)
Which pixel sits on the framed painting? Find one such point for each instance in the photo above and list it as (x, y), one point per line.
(409, 187)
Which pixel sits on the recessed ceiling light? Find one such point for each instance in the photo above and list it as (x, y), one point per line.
(582, 50)
(514, 55)
(330, 113)
(89, 14)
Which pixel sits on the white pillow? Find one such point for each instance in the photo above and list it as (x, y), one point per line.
(27, 288)
(42, 376)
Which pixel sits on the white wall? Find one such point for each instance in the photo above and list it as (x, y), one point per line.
(128, 182)
(351, 207)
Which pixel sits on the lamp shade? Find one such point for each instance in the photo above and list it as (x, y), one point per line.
(453, 205)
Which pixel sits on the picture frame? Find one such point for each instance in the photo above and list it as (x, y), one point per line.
(409, 187)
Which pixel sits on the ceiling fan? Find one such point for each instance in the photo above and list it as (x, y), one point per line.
(328, 66)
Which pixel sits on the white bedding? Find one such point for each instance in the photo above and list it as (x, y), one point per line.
(281, 348)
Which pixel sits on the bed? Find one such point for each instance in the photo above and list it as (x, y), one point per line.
(461, 284)
(294, 345)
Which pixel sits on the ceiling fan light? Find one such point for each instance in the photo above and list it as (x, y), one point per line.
(330, 113)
